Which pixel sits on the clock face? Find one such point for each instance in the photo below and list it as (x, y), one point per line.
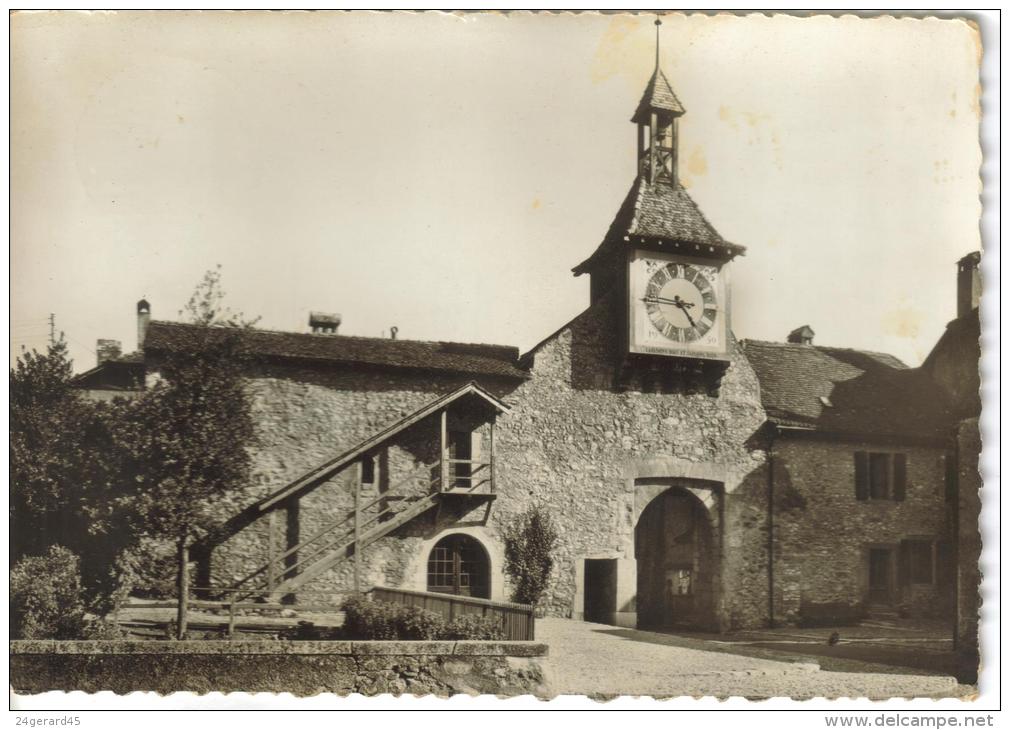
(681, 302)
(677, 305)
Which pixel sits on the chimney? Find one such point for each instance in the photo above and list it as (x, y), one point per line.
(969, 284)
(324, 323)
(801, 336)
(108, 350)
(143, 319)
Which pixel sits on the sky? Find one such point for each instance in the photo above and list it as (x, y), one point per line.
(443, 173)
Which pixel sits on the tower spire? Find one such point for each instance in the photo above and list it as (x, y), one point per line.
(658, 23)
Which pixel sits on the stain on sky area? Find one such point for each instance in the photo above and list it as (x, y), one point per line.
(621, 50)
(696, 166)
(904, 322)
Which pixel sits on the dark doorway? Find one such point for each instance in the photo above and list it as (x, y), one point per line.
(880, 575)
(459, 564)
(460, 455)
(676, 563)
(600, 602)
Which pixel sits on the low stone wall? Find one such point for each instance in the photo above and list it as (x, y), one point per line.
(301, 667)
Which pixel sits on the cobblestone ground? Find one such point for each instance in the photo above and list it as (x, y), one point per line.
(606, 661)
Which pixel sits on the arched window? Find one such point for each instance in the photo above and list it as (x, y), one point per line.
(459, 564)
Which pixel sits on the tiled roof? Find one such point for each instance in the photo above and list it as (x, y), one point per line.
(472, 359)
(123, 372)
(659, 212)
(846, 391)
(659, 96)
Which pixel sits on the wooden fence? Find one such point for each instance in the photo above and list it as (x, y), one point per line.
(517, 618)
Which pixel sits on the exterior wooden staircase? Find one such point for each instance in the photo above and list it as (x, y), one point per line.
(344, 539)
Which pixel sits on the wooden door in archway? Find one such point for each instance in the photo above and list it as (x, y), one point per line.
(459, 564)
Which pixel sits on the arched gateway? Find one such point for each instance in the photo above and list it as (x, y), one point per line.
(677, 562)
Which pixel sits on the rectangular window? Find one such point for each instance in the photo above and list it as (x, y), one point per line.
(920, 561)
(880, 476)
(367, 469)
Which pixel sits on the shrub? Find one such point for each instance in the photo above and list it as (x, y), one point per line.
(308, 631)
(529, 544)
(104, 629)
(380, 620)
(469, 626)
(46, 600)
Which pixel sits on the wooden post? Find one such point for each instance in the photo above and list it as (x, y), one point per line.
(182, 613)
(443, 447)
(271, 551)
(675, 151)
(641, 146)
(490, 455)
(357, 527)
(231, 617)
(653, 143)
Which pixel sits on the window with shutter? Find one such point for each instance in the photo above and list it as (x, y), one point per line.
(898, 489)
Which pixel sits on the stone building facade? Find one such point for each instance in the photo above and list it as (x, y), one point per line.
(716, 484)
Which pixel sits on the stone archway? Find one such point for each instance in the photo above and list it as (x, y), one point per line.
(677, 562)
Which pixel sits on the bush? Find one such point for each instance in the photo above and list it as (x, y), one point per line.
(380, 620)
(104, 630)
(390, 621)
(46, 601)
(148, 569)
(529, 547)
(485, 628)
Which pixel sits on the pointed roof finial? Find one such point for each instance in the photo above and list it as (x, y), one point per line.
(658, 95)
(658, 23)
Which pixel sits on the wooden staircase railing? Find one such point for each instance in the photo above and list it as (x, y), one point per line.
(342, 538)
(365, 523)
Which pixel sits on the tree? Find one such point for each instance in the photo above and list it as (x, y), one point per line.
(64, 468)
(192, 432)
(43, 415)
(529, 545)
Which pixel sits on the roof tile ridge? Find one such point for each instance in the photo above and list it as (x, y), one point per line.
(288, 333)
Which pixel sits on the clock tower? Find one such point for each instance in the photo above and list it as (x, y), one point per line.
(664, 265)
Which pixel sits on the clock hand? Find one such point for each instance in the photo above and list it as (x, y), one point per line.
(678, 302)
(688, 315)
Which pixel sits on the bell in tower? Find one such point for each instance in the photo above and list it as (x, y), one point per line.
(656, 117)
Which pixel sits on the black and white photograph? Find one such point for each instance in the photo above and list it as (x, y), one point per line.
(369, 356)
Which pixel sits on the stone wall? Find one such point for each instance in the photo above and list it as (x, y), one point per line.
(823, 533)
(969, 548)
(303, 668)
(306, 416)
(594, 456)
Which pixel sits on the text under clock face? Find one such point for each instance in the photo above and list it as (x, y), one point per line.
(681, 302)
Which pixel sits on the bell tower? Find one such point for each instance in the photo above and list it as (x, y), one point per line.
(656, 116)
(662, 267)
